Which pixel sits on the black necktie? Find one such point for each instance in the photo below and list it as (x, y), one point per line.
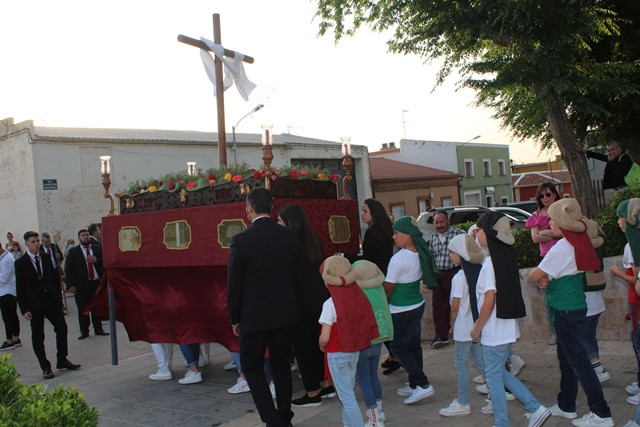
(38, 268)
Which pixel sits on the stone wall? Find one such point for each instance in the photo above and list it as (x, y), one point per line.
(535, 326)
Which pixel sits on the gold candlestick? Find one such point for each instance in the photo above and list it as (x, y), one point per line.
(105, 168)
(267, 153)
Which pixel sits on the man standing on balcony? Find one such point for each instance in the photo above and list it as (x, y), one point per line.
(440, 306)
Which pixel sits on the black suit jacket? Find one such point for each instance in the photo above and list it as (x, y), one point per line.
(56, 250)
(265, 262)
(30, 291)
(75, 268)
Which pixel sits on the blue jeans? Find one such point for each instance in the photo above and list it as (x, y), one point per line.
(343, 373)
(590, 340)
(497, 378)
(367, 372)
(635, 335)
(191, 353)
(406, 345)
(574, 364)
(463, 350)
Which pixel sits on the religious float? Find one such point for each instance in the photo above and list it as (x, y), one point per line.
(166, 252)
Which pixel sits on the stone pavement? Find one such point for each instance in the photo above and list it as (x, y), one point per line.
(126, 397)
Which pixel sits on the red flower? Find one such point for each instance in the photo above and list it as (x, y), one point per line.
(212, 182)
(160, 184)
(256, 174)
(304, 172)
(144, 188)
(191, 185)
(134, 192)
(211, 176)
(181, 181)
(294, 174)
(237, 178)
(171, 186)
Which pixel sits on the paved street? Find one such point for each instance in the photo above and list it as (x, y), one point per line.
(126, 397)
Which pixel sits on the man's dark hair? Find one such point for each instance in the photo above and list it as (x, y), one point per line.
(260, 200)
(30, 234)
(441, 212)
(93, 228)
(46, 235)
(82, 231)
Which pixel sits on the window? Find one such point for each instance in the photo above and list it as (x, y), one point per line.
(489, 201)
(423, 204)
(504, 199)
(177, 235)
(448, 201)
(502, 171)
(397, 210)
(486, 166)
(468, 168)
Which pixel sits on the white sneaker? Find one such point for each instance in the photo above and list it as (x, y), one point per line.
(537, 418)
(419, 394)
(603, 376)
(633, 388)
(557, 412)
(272, 389)
(191, 377)
(161, 375)
(509, 395)
(488, 408)
(516, 364)
(230, 366)
(405, 391)
(240, 386)
(482, 389)
(592, 419)
(383, 416)
(455, 408)
(374, 418)
(631, 423)
(478, 380)
(634, 400)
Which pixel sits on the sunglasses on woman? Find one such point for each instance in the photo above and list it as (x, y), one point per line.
(543, 195)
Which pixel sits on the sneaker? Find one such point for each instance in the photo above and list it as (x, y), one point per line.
(240, 387)
(307, 401)
(17, 343)
(383, 416)
(328, 392)
(482, 389)
(516, 364)
(552, 340)
(161, 375)
(592, 419)
(439, 342)
(419, 394)
(6, 346)
(634, 400)
(557, 412)
(537, 418)
(488, 408)
(405, 391)
(191, 377)
(603, 376)
(374, 418)
(478, 380)
(455, 408)
(509, 395)
(631, 423)
(230, 366)
(633, 388)
(272, 389)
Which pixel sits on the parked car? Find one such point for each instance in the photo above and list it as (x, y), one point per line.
(529, 206)
(517, 213)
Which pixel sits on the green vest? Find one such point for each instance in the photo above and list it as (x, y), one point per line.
(380, 306)
(405, 294)
(565, 293)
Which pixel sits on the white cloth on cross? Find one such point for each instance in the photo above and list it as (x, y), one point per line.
(233, 70)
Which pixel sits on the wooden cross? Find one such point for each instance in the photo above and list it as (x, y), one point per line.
(222, 133)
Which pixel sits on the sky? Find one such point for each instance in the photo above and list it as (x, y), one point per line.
(118, 64)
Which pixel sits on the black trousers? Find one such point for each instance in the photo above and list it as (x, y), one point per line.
(308, 354)
(252, 349)
(53, 312)
(8, 307)
(84, 294)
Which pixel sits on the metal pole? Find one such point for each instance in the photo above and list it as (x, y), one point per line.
(112, 327)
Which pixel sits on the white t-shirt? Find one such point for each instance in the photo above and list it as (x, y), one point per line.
(404, 267)
(464, 321)
(496, 331)
(328, 315)
(595, 303)
(627, 257)
(560, 261)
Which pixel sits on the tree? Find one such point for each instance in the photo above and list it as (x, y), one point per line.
(528, 60)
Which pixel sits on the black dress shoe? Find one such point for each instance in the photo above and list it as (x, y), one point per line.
(47, 374)
(83, 336)
(393, 366)
(67, 365)
(102, 333)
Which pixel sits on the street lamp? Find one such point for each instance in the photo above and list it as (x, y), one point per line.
(233, 130)
(474, 138)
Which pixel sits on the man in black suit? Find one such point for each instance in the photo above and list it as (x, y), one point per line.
(54, 252)
(82, 272)
(95, 234)
(264, 263)
(38, 298)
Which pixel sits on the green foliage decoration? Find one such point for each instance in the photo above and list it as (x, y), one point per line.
(24, 405)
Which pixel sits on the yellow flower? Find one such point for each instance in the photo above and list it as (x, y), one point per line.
(152, 188)
(320, 176)
(228, 176)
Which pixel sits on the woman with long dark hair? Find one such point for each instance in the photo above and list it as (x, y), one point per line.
(312, 294)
